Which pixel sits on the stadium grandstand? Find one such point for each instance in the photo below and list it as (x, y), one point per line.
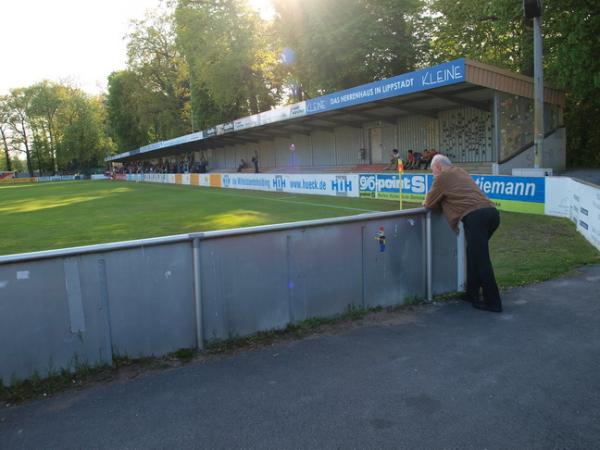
(479, 115)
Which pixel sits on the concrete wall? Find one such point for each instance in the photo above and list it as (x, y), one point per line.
(417, 133)
(76, 306)
(553, 156)
(465, 133)
(324, 148)
(348, 142)
(266, 154)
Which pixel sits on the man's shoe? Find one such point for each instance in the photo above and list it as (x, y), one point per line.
(487, 307)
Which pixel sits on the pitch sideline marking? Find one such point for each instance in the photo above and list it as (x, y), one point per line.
(293, 202)
(231, 194)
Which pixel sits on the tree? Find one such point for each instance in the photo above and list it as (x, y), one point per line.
(150, 100)
(493, 32)
(3, 135)
(84, 143)
(125, 110)
(571, 29)
(155, 59)
(17, 105)
(232, 63)
(4, 132)
(46, 100)
(487, 31)
(339, 44)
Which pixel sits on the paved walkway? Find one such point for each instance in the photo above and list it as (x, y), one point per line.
(445, 376)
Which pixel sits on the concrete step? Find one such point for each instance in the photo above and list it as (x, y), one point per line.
(474, 168)
(483, 168)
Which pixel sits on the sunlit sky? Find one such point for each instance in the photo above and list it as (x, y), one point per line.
(81, 41)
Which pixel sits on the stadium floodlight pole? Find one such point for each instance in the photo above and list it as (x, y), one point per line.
(533, 10)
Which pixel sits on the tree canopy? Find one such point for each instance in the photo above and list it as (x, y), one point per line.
(195, 63)
(56, 127)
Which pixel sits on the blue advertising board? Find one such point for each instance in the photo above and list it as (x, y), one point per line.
(519, 194)
(432, 77)
(386, 186)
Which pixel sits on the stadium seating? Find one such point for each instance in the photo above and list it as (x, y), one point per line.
(474, 168)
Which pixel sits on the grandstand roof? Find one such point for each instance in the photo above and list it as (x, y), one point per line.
(423, 92)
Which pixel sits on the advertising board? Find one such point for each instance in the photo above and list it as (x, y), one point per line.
(342, 185)
(19, 180)
(6, 175)
(58, 178)
(557, 196)
(519, 194)
(386, 186)
(429, 78)
(246, 122)
(585, 210)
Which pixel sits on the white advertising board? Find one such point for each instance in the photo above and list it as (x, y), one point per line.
(566, 197)
(247, 122)
(204, 180)
(585, 210)
(345, 185)
(558, 196)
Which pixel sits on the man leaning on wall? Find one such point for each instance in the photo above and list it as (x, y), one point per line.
(461, 199)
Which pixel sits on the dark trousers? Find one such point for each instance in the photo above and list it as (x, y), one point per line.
(479, 228)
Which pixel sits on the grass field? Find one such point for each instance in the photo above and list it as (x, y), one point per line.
(57, 215)
(34, 217)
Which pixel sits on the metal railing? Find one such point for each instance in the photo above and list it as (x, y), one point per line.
(62, 308)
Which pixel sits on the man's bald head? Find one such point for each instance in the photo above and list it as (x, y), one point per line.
(439, 163)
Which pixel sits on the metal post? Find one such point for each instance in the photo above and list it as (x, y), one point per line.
(105, 303)
(429, 257)
(460, 258)
(497, 132)
(197, 292)
(538, 71)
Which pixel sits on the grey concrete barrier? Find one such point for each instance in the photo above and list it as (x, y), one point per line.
(63, 308)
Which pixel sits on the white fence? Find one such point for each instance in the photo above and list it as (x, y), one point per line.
(577, 200)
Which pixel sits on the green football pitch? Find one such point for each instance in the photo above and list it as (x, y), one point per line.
(57, 215)
(47, 216)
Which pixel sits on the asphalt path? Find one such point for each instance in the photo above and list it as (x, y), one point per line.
(440, 376)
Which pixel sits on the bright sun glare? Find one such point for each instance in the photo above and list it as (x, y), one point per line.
(264, 8)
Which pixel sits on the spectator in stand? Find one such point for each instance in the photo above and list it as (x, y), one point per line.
(394, 160)
(410, 160)
(293, 161)
(427, 157)
(430, 154)
(203, 163)
(243, 165)
(425, 160)
(362, 155)
(255, 162)
(418, 159)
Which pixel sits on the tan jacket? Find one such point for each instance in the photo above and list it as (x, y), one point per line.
(456, 192)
